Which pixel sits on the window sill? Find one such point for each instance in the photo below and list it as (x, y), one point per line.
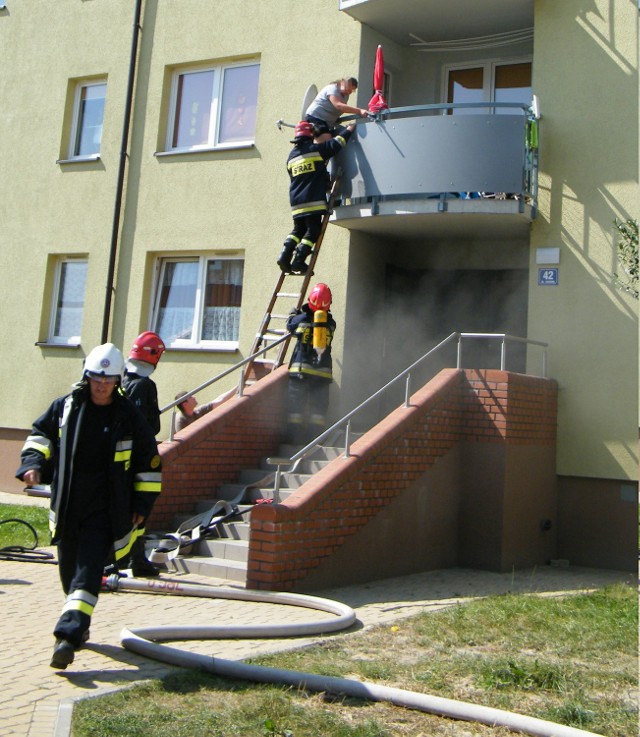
(202, 349)
(48, 344)
(80, 159)
(203, 150)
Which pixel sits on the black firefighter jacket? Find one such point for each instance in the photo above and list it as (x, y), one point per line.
(135, 474)
(304, 359)
(142, 391)
(307, 167)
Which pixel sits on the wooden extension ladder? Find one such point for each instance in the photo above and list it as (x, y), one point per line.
(282, 303)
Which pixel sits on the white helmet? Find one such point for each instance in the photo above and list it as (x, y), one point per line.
(104, 360)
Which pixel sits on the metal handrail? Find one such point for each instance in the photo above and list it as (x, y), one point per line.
(345, 421)
(221, 375)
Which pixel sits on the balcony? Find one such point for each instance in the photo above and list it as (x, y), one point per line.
(419, 171)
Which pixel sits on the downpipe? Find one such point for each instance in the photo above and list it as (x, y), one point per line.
(146, 641)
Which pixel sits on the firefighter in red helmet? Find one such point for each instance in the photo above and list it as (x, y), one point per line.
(141, 390)
(144, 355)
(307, 167)
(310, 368)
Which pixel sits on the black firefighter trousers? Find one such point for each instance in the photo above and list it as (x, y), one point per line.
(82, 552)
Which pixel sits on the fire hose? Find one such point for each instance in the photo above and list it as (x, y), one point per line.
(25, 552)
(146, 641)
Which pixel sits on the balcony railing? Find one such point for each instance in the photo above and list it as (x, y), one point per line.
(422, 152)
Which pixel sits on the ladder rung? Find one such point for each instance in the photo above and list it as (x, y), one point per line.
(264, 361)
(271, 335)
(280, 317)
(293, 295)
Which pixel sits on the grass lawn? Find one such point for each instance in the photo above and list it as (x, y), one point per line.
(571, 660)
(15, 533)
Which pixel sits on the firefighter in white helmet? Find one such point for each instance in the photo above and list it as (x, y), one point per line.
(100, 457)
(310, 368)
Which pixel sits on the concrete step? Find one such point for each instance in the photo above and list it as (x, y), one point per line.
(223, 549)
(252, 475)
(227, 491)
(230, 570)
(235, 531)
(203, 506)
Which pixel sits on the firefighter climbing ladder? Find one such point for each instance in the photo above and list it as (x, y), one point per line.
(284, 302)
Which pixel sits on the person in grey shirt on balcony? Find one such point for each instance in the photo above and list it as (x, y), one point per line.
(330, 103)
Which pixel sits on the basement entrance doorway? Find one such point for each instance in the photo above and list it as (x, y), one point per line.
(422, 307)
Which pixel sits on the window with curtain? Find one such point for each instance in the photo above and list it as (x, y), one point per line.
(213, 107)
(198, 302)
(67, 305)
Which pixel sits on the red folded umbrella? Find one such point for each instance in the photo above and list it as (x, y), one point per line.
(377, 102)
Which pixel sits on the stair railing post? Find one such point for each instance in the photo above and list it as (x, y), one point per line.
(407, 390)
(459, 358)
(503, 353)
(241, 384)
(276, 485)
(347, 440)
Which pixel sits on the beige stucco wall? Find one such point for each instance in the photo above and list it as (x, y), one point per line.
(586, 76)
(47, 208)
(226, 202)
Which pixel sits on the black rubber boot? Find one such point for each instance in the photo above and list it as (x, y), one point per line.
(140, 566)
(284, 259)
(298, 265)
(63, 654)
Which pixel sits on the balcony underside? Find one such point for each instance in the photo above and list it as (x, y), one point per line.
(434, 20)
(414, 219)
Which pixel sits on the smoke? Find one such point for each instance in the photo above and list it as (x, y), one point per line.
(419, 310)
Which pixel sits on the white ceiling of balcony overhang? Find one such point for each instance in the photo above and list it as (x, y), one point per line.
(440, 20)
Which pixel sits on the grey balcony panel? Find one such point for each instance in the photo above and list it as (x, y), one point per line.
(428, 155)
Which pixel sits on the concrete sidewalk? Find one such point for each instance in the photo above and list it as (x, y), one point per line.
(36, 701)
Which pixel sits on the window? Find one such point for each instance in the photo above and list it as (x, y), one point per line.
(68, 301)
(88, 114)
(504, 82)
(213, 107)
(197, 303)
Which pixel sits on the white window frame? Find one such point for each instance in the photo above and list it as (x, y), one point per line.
(193, 343)
(489, 78)
(217, 92)
(75, 121)
(55, 300)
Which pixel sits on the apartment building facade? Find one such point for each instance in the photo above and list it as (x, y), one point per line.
(145, 188)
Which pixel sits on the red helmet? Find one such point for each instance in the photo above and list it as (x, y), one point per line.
(147, 347)
(304, 130)
(320, 297)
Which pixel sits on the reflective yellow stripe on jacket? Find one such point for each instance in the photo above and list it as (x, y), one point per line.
(316, 206)
(123, 451)
(151, 482)
(40, 443)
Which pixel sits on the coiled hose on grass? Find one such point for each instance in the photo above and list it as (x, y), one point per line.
(146, 641)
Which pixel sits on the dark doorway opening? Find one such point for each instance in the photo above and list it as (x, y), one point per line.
(423, 307)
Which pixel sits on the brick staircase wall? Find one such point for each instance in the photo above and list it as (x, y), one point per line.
(366, 516)
(214, 449)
